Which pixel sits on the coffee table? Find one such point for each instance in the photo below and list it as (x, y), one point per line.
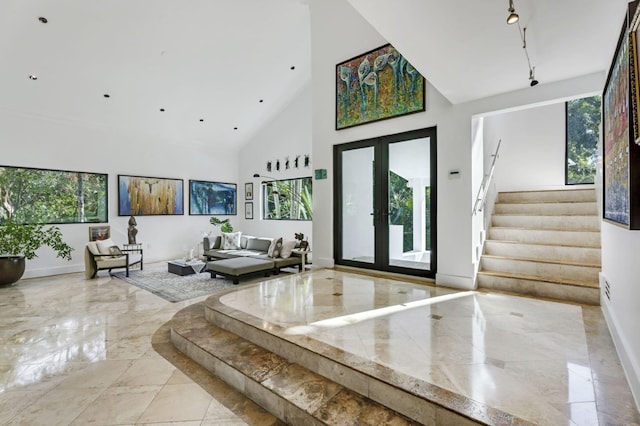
(182, 267)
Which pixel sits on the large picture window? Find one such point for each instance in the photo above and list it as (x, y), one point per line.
(583, 122)
(289, 199)
(52, 196)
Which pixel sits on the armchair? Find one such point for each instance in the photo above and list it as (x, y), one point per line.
(105, 254)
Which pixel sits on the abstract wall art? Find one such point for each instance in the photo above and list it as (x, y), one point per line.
(145, 196)
(377, 85)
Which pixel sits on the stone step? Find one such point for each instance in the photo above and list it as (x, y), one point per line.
(542, 236)
(548, 270)
(301, 380)
(561, 253)
(572, 223)
(562, 290)
(548, 209)
(286, 389)
(565, 195)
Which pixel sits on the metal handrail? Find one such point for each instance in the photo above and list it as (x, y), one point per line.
(484, 186)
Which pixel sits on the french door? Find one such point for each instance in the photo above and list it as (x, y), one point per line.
(385, 198)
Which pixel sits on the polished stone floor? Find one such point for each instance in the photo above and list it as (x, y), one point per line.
(78, 351)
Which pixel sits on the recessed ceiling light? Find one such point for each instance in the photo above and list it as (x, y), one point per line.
(261, 100)
(201, 120)
(33, 77)
(106, 95)
(161, 109)
(235, 128)
(43, 19)
(293, 67)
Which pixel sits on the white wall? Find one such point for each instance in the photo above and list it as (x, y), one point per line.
(620, 267)
(532, 151)
(29, 141)
(338, 33)
(288, 134)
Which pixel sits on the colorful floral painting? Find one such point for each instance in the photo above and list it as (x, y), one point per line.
(616, 138)
(377, 85)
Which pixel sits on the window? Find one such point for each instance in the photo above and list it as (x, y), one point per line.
(289, 199)
(583, 122)
(52, 196)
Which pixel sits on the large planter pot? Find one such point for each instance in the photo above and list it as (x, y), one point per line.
(11, 269)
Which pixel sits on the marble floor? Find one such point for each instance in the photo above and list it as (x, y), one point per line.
(77, 351)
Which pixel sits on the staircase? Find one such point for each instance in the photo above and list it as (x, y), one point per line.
(544, 244)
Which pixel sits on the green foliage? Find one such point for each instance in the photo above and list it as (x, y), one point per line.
(290, 199)
(18, 239)
(401, 208)
(225, 225)
(52, 196)
(583, 123)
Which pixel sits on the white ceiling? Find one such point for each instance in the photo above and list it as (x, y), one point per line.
(215, 59)
(467, 51)
(200, 59)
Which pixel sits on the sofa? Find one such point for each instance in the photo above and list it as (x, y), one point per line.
(234, 255)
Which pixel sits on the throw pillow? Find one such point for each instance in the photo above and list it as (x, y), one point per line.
(104, 246)
(115, 251)
(231, 240)
(287, 248)
(275, 248)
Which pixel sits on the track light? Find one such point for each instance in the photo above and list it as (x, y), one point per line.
(513, 16)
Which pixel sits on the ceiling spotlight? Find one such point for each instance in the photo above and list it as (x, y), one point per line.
(43, 19)
(532, 78)
(33, 77)
(106, 95)
(161, 109)
(513, 16)
(201, 120)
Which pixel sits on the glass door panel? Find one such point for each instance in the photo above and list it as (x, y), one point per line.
(409, 188)
(358, 231)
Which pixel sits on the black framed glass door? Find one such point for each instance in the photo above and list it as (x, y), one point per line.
(385, 191)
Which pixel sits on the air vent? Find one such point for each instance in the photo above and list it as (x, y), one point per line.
(607, 290)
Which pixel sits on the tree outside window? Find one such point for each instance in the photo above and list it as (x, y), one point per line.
(583, 124)
(289, 199)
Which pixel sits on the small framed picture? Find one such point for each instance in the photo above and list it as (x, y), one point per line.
(248, 210)
(248, 191)
(99, 232)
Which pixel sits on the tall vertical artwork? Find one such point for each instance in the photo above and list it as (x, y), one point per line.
(142, 196)
(616, 137)
(377, 85)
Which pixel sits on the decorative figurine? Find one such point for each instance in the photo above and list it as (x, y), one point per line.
(132, 230)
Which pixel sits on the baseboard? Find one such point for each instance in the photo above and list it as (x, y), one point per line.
(631, 370)
(56, 270)
(455, 281)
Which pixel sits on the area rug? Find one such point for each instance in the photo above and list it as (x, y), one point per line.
(175, 288)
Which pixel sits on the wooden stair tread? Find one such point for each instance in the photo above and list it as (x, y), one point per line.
(552, 261)
(563, 281)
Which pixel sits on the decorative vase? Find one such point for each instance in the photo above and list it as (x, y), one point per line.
(11, 269)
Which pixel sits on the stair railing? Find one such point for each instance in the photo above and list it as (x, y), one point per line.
(486, 181)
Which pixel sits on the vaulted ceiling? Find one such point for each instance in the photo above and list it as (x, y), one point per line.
(220, 69)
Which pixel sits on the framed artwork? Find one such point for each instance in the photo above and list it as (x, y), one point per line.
(146, 196)
(634, 69)
(97, 233)
(377, 85)
(621, 197)
(248, 210)
(207, 198)
(248, 191)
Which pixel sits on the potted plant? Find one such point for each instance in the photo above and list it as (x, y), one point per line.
(21, 241)
(225, 225)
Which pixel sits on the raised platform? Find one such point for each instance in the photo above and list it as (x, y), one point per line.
(336, 348)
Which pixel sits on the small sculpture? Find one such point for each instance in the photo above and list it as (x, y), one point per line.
(132, 230)
(304, 244)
